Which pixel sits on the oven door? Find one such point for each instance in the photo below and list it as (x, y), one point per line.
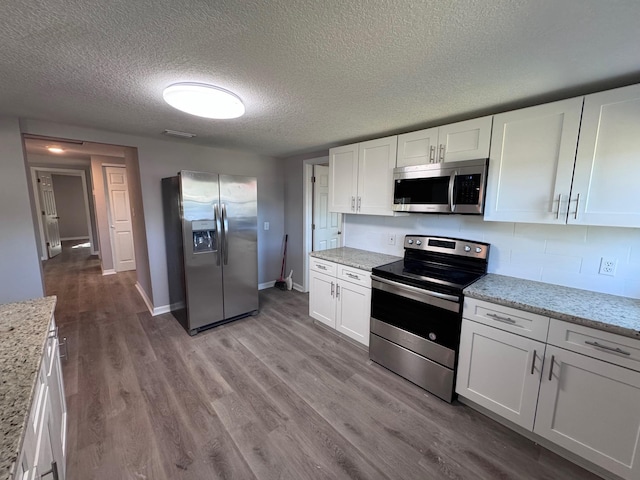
(431, 318)
(415, 333)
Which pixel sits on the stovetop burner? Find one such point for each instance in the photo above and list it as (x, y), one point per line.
(445, 264)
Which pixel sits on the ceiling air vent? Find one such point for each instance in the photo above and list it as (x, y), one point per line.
(176, 133)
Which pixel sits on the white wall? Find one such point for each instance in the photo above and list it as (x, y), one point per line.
(558, 254)
(20, 269)
(158, 158)
(70, 206)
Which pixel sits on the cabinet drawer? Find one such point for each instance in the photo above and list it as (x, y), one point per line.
(323, 266)
(527, 324)
(354, 275)
(616, 349)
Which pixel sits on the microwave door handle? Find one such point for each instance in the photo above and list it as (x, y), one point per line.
(452, 181)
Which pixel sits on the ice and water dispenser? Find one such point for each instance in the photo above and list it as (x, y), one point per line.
(205, 238)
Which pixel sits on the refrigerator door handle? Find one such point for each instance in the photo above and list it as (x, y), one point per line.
(225, 226)
(216, 216)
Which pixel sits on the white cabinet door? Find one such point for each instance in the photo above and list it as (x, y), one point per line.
(322, 305)
(44, 455)
(377, 159)
(531, 163)
(353, 311)
(500, 371)
(417, 148)
(343, 178)
(58, 419)
(466, 140)
(591, 408)
(608, 160)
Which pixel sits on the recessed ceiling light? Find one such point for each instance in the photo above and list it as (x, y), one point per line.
(203, 100)
(55, 149)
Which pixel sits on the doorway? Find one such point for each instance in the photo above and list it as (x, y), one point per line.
(326, 226)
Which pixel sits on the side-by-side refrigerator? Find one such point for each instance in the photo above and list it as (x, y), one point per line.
(210, 225)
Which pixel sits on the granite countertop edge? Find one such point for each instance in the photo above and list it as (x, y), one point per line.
(12, 443)
(513, 299)
(354, 257)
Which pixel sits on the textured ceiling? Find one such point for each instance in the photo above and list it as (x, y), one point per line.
(312, 74)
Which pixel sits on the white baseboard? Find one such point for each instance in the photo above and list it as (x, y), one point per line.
(110, 271)
(73, 238)
(143, 294)
(262, 286)
(95, 252)
(298, 288)
(160, 310)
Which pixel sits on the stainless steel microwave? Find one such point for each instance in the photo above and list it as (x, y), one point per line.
(450, 187)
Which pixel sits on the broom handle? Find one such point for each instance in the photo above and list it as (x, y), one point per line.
(284, 255)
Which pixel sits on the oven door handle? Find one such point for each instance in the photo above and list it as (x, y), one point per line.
(449, 302)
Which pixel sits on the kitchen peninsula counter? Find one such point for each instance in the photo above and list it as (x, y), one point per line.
(24, 327)
(602, 311)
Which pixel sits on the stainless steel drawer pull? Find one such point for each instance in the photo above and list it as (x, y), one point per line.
(53, 333)
(53, 471)
(502, 319)
(533, 363)
(321, 267)
(332, 288)
(337, 290)
(61, 344)
(558, 210)
(605, 347)
(432, 154)
(353, 204)
(553, 357)
(351, 275)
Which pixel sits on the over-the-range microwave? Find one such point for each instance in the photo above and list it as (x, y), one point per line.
(450, 187)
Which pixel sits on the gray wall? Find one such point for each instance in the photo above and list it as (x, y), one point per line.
(158, 158)
(70, 206)
(20, 268)
(137, 218)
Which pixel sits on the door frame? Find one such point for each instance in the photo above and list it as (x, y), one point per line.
(307, 215)
(36, 194)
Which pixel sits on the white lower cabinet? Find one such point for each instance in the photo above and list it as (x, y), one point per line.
(500, 371)
(43, 454)
(591, 408)
(579, 389)
(340, 297)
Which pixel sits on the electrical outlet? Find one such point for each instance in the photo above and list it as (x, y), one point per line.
(391, 239)
(266, 225)
(608, 266)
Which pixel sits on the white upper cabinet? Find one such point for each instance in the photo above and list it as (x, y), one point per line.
(605, 184)
(531, 163)
(361, 177)
(466, 140)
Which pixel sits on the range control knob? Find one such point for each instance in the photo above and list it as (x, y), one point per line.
(418, 242)
(410, 242)
(478, 249)
(467, 248)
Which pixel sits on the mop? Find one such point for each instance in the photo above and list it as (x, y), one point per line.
(281, 283)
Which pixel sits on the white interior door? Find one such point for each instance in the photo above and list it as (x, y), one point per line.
(326, 228)
(49, 214)
(120, 219)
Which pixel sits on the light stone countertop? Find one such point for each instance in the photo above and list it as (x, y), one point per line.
(355, 257)
(24, 327)
(611, 313)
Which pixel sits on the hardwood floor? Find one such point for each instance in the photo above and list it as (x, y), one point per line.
(268, 397)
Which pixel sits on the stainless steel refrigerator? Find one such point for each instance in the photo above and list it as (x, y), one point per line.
(210, 225)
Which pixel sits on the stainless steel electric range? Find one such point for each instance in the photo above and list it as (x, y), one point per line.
(416, 309)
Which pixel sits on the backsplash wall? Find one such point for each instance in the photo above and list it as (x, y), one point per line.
(559, 254)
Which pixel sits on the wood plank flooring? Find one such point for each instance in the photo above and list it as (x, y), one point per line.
(268, 397)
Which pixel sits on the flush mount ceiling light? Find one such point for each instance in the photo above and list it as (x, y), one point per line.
(203, 100)
(54, 149)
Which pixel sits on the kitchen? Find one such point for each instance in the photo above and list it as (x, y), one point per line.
(523, 250)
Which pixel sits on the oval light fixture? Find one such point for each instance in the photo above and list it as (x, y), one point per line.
(203, 100)
(54, 149)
